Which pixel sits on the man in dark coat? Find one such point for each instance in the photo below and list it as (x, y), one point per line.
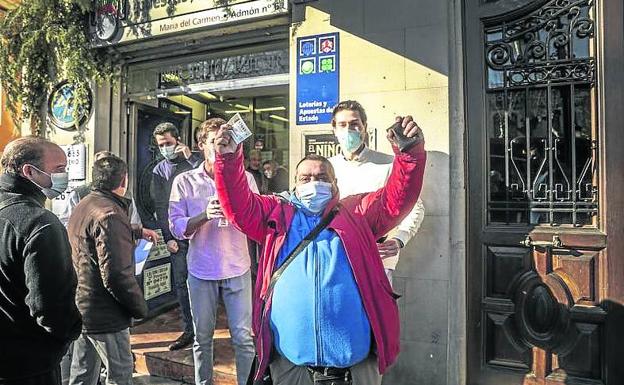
(178, 158)
(108, 295)
(38, 315)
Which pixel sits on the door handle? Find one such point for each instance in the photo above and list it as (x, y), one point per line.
(556, 242)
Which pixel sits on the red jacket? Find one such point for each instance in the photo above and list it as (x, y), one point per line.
(361, 220)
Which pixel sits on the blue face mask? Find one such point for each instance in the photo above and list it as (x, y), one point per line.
(315, 195)
(350, 140)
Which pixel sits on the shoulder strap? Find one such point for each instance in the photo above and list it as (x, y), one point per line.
(302, 245)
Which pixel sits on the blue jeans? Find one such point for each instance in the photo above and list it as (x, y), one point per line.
(180, 273)
(204, 296)
(112, 349)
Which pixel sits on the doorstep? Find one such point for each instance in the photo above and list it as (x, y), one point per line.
(150, 341)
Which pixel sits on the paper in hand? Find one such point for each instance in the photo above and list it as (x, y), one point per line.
(141, 253)
(239, 131)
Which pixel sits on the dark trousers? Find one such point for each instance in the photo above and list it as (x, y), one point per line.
(180, 274)
(49, 378)
(285, 372)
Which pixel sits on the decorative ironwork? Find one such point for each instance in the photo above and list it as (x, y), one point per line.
(580, 71)
(542, 144)
(544, 46)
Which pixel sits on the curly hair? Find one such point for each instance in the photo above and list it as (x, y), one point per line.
(211, 124)
(166, 127)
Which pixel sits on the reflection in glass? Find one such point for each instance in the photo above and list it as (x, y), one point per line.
(267, 117)
(495, 79)
(540, 80)
(580, 44)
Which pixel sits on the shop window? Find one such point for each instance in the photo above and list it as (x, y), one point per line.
(267, 117)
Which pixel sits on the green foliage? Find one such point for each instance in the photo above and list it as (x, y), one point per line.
(41, 43)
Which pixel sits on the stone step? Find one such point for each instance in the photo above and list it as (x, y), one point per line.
(150, 341)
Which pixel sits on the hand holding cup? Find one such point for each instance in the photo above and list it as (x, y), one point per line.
(214, 211)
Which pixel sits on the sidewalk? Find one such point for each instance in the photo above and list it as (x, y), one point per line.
(152, 357)
(146, 379)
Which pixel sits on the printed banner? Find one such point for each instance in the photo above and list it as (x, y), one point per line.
(321, 144)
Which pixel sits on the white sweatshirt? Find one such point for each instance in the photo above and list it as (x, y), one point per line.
(368, 172)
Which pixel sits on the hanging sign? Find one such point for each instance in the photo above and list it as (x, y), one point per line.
(61, 111)
(318, 67)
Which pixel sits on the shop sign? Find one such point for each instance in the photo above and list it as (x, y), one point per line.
(225, 68)
(318, 68)
(157, 281)
(321, 144)
(118, 21)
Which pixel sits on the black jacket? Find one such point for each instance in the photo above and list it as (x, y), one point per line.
(38, 315)
(163, 175)
(102, 242)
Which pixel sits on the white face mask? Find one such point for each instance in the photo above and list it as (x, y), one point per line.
(59, 181)
(314, 195)
(168, 152)
(268, 174)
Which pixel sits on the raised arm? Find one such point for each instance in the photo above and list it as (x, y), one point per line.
(387, 207)
(247, 210)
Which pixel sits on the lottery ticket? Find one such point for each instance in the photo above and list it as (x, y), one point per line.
(240, 131)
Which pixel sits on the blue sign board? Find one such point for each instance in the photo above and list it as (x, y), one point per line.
(317, 78)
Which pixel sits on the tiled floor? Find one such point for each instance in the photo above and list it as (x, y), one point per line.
(151, 339)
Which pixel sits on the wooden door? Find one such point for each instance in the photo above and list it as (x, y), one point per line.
(143, 120)
(544, 263)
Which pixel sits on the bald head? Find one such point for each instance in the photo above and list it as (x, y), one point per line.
(319, 163)
(27, 150)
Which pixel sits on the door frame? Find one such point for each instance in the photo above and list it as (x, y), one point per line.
(133, 107)
(610, 98)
